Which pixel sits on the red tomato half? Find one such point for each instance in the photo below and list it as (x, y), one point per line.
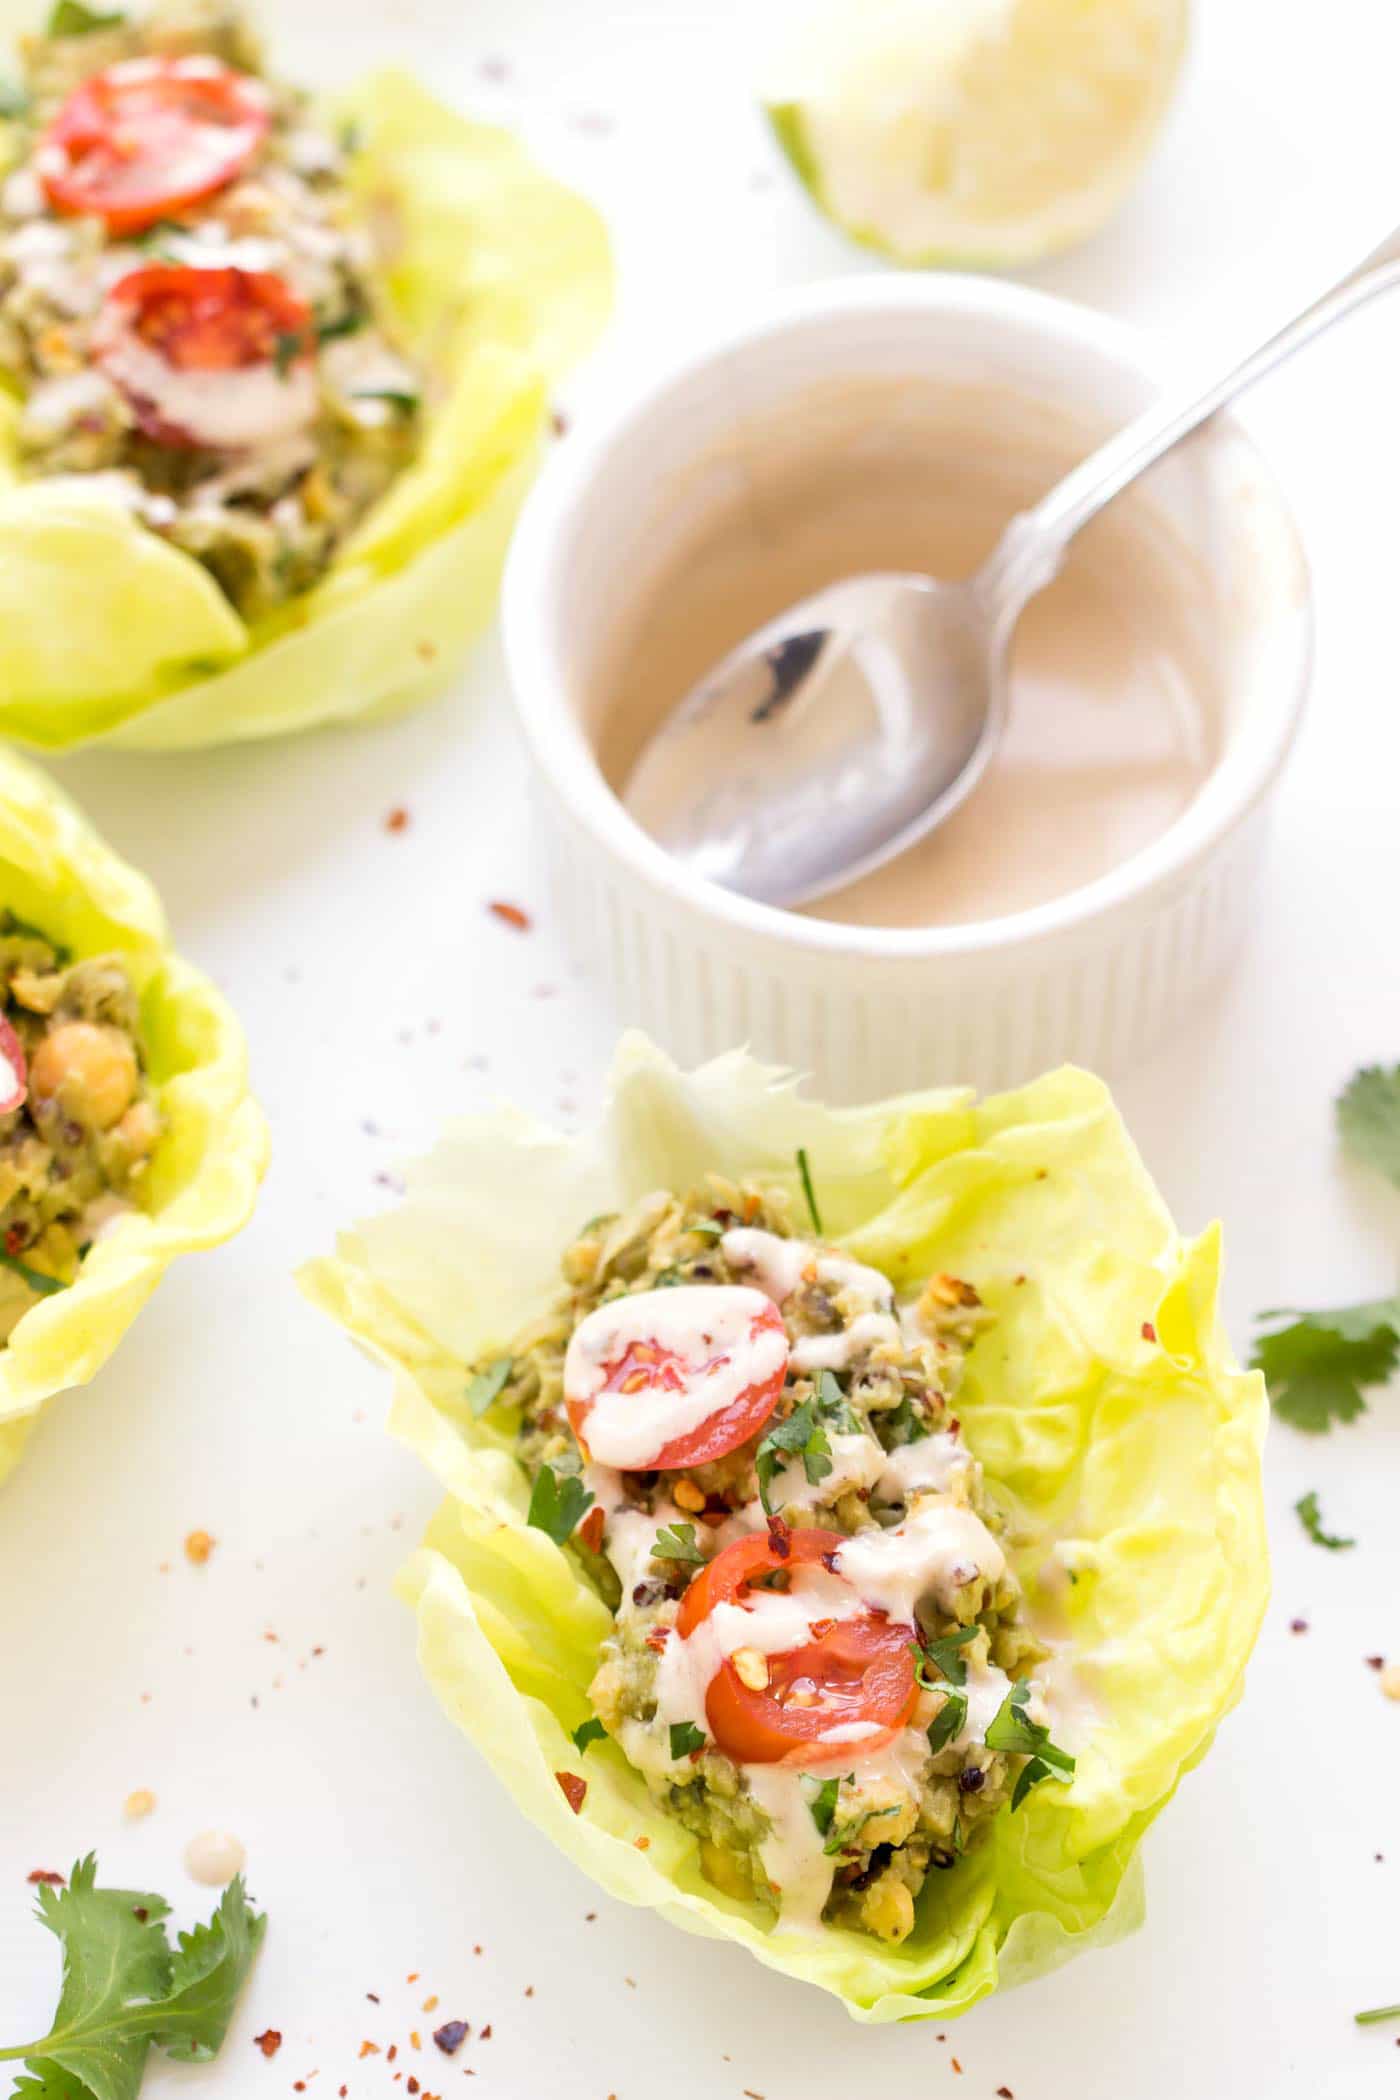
(663, 1355)
(202, 322)
(146, 138)
(858, 1669)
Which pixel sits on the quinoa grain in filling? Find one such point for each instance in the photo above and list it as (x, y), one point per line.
(187, 312)
(78, 1122)
(819, 1662)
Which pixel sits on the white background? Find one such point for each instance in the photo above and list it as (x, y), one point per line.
(380, 996)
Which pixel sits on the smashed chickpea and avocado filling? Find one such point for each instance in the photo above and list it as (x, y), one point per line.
(819, 1662)
(78, 1122)
(186, 309)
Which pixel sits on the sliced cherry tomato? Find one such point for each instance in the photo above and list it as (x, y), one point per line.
(853, 1670)
(148, 137)
(14, 1072)
(166, 321)
(659, 1348)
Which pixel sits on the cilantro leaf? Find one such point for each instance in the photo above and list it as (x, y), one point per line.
(801, 1434)
(557, 1502)
(589, 1731)
(949, 1721)
(1012, 1730)
(823, 1804)
(348, 323)
(843, 1837)
(804, 1168)
(392, 396)
(833, 1406)
(487, 1386)
(1310, 1517)
(1376, 2014)
(72, 18)
(944, 1653)
(123, 1991)
(677, 1542)
(35, 1278)
(287, 349)
(1317, 1364)
(685, 1738)
(1368, 1117)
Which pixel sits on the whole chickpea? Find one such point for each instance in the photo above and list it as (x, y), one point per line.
(89, 1071)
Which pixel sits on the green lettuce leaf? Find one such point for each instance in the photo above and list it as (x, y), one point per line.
(500, 279)
(56, 873)
(1103, 1400)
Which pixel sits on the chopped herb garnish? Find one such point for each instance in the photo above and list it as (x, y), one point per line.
(348, 323)
(1014, 1732)
(71, 18)
(804, 1168)
(833, 1406)
(667, 1279)
(1368, 1117)
(1310, 1517)
(900, 1425)
(944, 1654)
(557, 1502)
(589, 1731)
(949, 1721)
(289, 346)
(686, 1738)
(488, 1385)
(823, 1804)
(800, 1435)
(1376, 2015)
(1319, 1362)
(846, 1834)
(125, 1991)
(35, 1278)
(394, 396)
(677, 1542)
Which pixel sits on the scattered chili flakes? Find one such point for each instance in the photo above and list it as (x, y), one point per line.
(486, 2032)
(415, 2037)
(140, 1913)
(590, 1531)
(412, 2083)
(431, 2004)
(269, 2041)
(1004, 2092)
(510, 914)
(750, 2094)
(198, 1547)
(373, 1997)
(1149, 1332)
(1375, 1662)
(956, 2065)
(573, 1789)
(451, 2035)
(397, 819)
(46, 1876)
(1297, 1626)
(369, 2049)
(393, 2052)
(643, 1844)
(413, 1976)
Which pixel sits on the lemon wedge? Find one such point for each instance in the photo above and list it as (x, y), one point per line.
(976, 133)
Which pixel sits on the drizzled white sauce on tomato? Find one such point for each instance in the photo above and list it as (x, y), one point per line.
(228, 411)
(710, 1329)
(773, 1622)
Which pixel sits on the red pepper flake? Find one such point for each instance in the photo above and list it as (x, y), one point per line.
(397, 819)
(1004, 2092)
(750, 2094)
(269, 2041)
(430, 2004)
(45, 1877)
(198, 1547)
(573, 1789)
(485, 2035)
(140, 1913)
(452, 2033)
(1297, 1625)
(657, 1638)
(16, 1240)
(412, 2083)
(369, 2049)
(1149, 1332)
(591, 1529)
(413, 1975)
(956, 2065)
(1373, 1662)
(298, 2085)
(393, 2052)
(779, 1538)
(373, 1997)
(643, 1844)
(511, 914)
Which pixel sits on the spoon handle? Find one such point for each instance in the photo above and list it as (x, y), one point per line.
(1035, 543)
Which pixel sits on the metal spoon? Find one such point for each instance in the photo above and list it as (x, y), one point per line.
(861, 718)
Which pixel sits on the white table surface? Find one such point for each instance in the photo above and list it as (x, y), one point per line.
(380, 997)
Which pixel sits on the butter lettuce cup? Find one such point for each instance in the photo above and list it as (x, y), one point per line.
(272, 394)
(1009, 1482)
(127, 1132)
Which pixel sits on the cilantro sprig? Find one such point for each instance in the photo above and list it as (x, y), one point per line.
(678, 1542)
(558, 1503)
(823, 1805)
(1368, 1118)
(589, 1731)
(1310, 1517)
(800, 1436)
(1318, 1365)
(945, 1654)
(125, 1991)
(1012, 1730)
(686, 1739)
(834, 1409)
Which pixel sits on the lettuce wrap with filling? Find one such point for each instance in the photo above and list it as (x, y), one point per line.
(1102, 1399)
(498, 278)
(57, 875)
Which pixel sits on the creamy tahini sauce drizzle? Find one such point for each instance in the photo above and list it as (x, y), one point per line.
(254, 405)
(938, 1551)
(709, 1327)
(779, 1265)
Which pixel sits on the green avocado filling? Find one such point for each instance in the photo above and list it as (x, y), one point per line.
(260, 468)
(74, 1152)
(857, 1446)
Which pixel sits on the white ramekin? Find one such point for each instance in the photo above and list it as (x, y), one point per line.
(1096, 976)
